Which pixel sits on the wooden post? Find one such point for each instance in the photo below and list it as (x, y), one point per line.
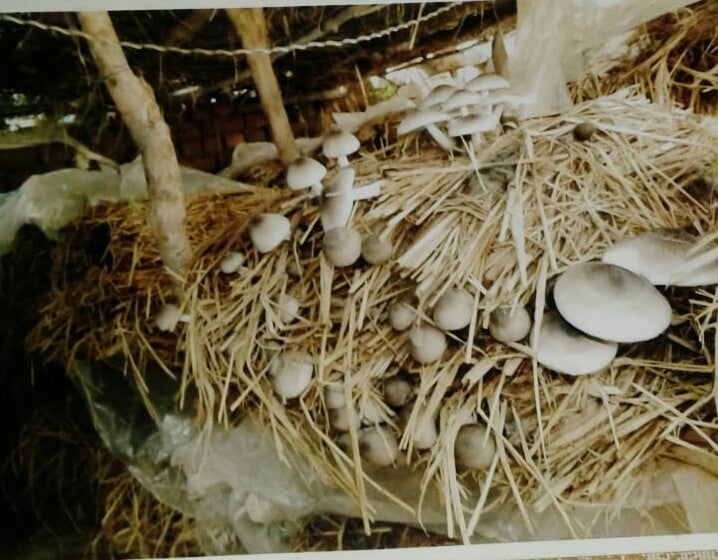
(251, 26)
(139, 110)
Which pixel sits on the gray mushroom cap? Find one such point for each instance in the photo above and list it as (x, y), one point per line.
(611, 303)
(414, 120)
(485, 82)
(339, 143)
(463, 98)
(438, 95)
(564, 349)
(663, 257)
(304, 172)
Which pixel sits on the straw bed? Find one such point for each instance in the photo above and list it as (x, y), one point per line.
(538, 202)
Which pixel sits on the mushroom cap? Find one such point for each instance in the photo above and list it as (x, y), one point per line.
(473, 124)
(564, 349)
(371, 411)
(267, 231)
(401, 316)
(231, 261)
(339, 419)
(168, 317)
(425, 433)
(342, 246)
(376, 249)
(304, 172)
(427, 344)
(414, 120)
(438, 95)
(660, 256)
(509, 325)
(291, 372)
(453, 310)
(397, 391)
(611, 303)
(463, 98)
(473, 450)
(334, 396)
(378, 445)
(288, 307)
(339, 143)
(485, 82)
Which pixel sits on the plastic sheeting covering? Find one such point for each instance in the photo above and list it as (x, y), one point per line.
(52, 200)
(246, 497)
(553, 38)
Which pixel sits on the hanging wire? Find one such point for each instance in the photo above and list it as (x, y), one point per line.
(237, 52)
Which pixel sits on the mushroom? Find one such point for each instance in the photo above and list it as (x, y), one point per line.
(378, 445)
(375, 249)
(509, 325)
(397, 391)
(334, 396)
(231, 262)
(486, 82)
(438, 96)
(267, 231)
(338, 200)
(291, 372)
(168, 316)
(427, 118)
(564, 349)
(583, 131)
(473, 449)
(339, 419)
(426, 344)
(611, 303)
(338, 144)
(305, 172)
(425, 433)
(453, 310)
(663, 257)
(288, 307)
(342, 246)
(462, 100)
(401, 316)
(371, 410)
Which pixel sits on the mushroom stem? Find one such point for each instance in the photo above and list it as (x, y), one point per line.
(440, 138)
(251, 26)
(317, 189)
(343, 161)
(370, 190)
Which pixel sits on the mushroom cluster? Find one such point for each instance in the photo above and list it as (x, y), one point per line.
(600, 305)
(469, 110)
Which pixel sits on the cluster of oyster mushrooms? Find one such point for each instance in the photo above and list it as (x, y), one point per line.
(470, 110)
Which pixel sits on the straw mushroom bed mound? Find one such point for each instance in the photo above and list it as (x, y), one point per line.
(316, 349)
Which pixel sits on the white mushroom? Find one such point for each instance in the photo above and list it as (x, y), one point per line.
(414, 120)
(453, 310)
(564, 349)
(291, 372)
(334, 396)
(438, 96)
(339, 419)
(288, 307)
(304, 173)
(378, 445)
(267, 231)
(401, 316)
(473, 449)
(338, 200)
(509, 325)
(425, 433)
(376, 249)
(168, 316)
(664, 257)
(231, 262)
(611, 303)
(371, 410)
(486, 82)
(338, 144)
(427, 344)
(397, 391)
(342, 246)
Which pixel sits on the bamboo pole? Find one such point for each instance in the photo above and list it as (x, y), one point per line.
(251, 26)
(139, 110)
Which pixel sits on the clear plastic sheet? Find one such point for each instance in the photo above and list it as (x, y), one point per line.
(52, 200)
(246, 497)
(553, 38)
